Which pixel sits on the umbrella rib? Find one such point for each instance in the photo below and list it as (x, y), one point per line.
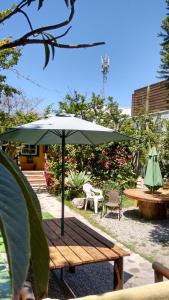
(86, 137)
(71, 133)
(41, 137)
(56, 132)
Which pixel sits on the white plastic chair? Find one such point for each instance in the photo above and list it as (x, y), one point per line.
(91, 196)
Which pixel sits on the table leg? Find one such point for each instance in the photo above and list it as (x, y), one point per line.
(118, 274)
(72, 269)
(61, 274)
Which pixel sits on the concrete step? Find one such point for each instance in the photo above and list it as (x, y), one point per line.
(36, 179)
(41, 172)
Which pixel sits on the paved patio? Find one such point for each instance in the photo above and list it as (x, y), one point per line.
(97, 279)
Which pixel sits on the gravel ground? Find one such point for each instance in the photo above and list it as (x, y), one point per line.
(148, 238)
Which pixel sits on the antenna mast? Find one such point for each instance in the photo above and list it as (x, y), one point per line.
(105, 62)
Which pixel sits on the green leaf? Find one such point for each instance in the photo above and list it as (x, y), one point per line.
(38, 243)
(47, 53)
(67, 2)
(49, 37)
(40, 4)
(15, 228)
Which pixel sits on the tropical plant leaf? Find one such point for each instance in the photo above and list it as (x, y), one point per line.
(38, 243)
(15, 228)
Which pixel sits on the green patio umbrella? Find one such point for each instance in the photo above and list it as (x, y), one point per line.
(63, 129)
(153, 178)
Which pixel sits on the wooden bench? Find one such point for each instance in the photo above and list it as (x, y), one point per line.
(81, 245)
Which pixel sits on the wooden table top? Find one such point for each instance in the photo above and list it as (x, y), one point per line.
(161, 196)
(79, 245)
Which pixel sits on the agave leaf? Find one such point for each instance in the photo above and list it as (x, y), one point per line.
(38, 243)
(15, 228)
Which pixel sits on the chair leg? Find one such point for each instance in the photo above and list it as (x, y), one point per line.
(86, 203)
(95, 206)
(119, 213)
(102, 211)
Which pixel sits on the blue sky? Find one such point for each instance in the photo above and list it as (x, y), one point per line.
(129, 28)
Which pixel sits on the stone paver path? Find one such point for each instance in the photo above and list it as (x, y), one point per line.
(98, 277)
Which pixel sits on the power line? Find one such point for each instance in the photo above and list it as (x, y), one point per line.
(20, 75)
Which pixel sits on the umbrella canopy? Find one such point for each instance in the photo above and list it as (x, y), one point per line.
(62, 130)
(153, 178)
(51, 130)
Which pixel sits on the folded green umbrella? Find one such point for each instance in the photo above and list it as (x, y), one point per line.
(153, 178)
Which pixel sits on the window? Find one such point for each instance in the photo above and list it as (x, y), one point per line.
(29, 150)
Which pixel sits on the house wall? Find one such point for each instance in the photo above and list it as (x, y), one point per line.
(38, 161)
(150, 99)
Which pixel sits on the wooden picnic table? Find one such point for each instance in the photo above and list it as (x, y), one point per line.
(81, 245)
(151, 205)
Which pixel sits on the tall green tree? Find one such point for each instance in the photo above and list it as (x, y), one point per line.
(8, 58)
(164, 67)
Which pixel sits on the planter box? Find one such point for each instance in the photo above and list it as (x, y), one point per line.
(79, 202)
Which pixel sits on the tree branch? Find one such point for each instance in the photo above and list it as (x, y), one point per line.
(52, 27)
(45, 37)
(23, 42)
(15, 11)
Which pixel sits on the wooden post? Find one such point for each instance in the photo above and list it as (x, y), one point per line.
(118, 274)
(160, 271)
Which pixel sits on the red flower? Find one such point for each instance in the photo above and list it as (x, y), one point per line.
(104, 152)
(113, 157)
(99, 161)
(107, 165)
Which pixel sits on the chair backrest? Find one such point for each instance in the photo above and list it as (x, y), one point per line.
(87, 188)
(114, 197)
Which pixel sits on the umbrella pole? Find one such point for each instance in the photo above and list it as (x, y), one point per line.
(63, 182)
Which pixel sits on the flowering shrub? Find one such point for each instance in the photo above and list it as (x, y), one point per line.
(115, 164)
(112, 163)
